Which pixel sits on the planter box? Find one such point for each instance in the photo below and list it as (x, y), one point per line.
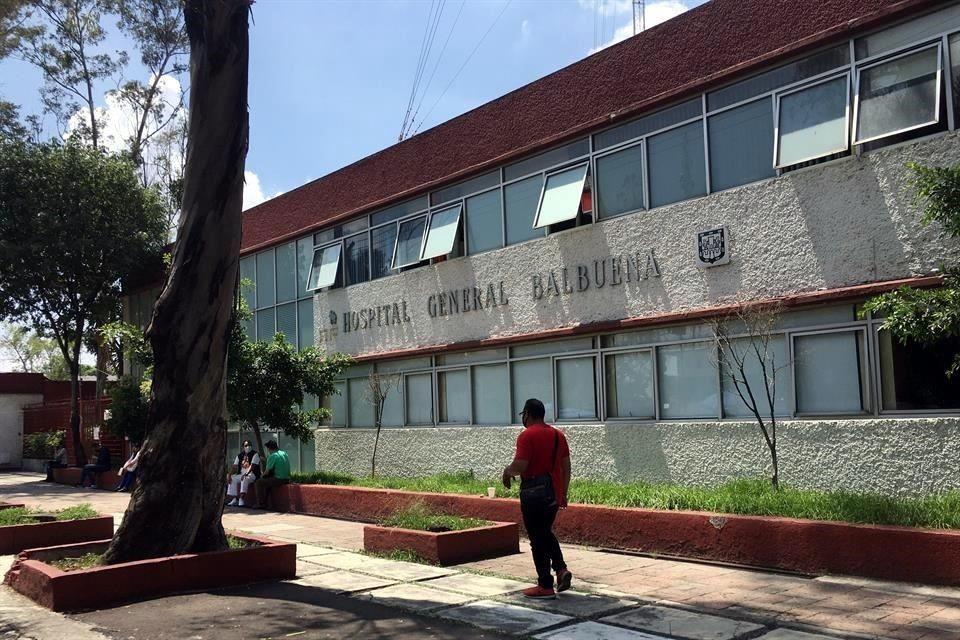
(101, 587)
(805, 546)
(38, 465)
(10, 505)
(447, 547)
(71, 476)
(16, 538)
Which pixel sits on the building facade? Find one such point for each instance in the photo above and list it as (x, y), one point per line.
(575, 240)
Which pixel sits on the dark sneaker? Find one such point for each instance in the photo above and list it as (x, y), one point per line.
(540, 593)
(564, 577)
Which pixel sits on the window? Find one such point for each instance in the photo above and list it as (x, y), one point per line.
(491, 388)
(442, 232)
(287, 322)
(465, 188)
(361, 406)
(419, 392)
(648, 124)
(356, 259)
(392, 387)
(409, 240)
(304, 261)
(484, 222)
(382, 241)
(560, 200)
(913, 376)
(248, 271)
(286, 272)
(305, 322)
(326, 267)
(914, 30)
(453, 395)
(398, 211)
(741, 141)
(547, 159)
(266, 324)
(619, 182)
(955, 72)
(688, 380)
(629, 385)
(308, 455)
(812, 121)
(830, 372)
(898, 95)
(266, 288)
(337, 403)
(676, 164)
(532, 379)
(576, 388)
(777, 371)
(520, 203)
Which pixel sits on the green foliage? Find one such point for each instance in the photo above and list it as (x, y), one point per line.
(937, 191)
(43, 444)
(399, 555)
(128, 409)
(79, 512)
(420, 518)
(131, 339)
(86, 561)
(22, 515)
(234, 542)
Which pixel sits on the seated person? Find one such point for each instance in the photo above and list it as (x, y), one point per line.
(238, 483)
(91, 471)
(59, 461)
(128, 472)
(277, 473)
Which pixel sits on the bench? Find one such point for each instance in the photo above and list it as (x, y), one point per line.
(71, 476)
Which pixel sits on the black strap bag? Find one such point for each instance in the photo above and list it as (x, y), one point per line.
(539, 491)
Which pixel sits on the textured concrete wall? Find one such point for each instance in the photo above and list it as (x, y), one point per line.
(11, 426)
(838, 224)
(890, 456)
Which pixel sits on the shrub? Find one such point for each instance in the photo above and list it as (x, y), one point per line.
(43, 445)
(128, 410)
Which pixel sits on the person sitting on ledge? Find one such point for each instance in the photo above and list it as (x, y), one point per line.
(246, 474)
(91, 471)
(276, 474)
(128, 472)
(59, 461)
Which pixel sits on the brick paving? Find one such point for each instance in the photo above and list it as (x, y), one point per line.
(835, 606)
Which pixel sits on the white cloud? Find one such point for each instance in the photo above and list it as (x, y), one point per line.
(656, 13)
(525, 30)
(253, 190)
(662, 11)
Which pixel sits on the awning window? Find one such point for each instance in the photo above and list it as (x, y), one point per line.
(560, 200)
(409, 242)
(326, 264)
(442, 232)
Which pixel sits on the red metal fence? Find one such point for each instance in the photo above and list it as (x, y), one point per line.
(55, 416)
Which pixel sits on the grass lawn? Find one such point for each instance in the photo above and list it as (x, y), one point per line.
(742, 496)
(23, 515)
(419, 517)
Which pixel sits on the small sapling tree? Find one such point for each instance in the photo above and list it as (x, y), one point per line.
(379, 387)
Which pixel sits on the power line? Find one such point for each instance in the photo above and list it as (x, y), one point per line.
(426, 44)
(436, 64)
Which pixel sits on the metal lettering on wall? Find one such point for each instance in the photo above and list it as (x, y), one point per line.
(613, 271)
(448, 303)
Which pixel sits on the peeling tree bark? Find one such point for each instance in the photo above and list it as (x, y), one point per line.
(178, 501)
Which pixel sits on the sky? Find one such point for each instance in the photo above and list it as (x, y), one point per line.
(331, 80)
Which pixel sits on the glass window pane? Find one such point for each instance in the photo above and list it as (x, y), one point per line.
(399, 210)
(490, 393)
(356, 259)
(326, 267)
(741, 145)
(653, 336)
(648, 124)
(304, 261)
(547, 159)
(520, 201)
(442, 233)
(383, 240)
(468, 357)
(688, 381)
(576, 388)
(287, 322)
(337, 403)
(677, 169)
(391, 386)
(897, 95)
(777, 373)
(453, 395)
(266, 288)
(909, 32)
(354, 226)
(409, 240)
(812, 122)
(484, 222)
(286, 272)
(248, 271)
(562, 346)
(831, 370)
(305, 322)
(465, 188)
(266, 324)
(407, 364)
(955, 71)
(361, 407)
(913, 376)
(308, 455)
(419, 392)
(629, 385)
(561, 196)
(532, 379)
(619, 182)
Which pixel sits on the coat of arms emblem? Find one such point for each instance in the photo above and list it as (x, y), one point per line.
(333, 318)
(712, 247)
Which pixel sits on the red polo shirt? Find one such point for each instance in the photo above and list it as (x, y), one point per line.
(536, 444)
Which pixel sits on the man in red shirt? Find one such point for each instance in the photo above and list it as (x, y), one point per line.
(542, 461)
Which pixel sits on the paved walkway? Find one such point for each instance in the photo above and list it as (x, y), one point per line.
(616, 595)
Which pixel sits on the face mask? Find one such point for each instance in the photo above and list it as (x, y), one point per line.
(247, 449)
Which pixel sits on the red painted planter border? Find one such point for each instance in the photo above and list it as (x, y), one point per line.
(805, 546)
(447, 547)
(101, 587)
(10, 505)
(16, 538)
(71, 476)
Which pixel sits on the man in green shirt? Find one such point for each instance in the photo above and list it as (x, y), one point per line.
(276, 474)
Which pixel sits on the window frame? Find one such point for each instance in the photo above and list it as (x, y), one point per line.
(543, 192)
(433, 397)
(396, 242)
(429, 228)
(438, 371)
(595, 193)
(617, 351)
(592, 354)
(336, 243)
(866, 382)
(846, 121)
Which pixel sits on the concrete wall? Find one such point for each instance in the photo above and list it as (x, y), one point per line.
(915, 456)
(11, 426)
(842, 223)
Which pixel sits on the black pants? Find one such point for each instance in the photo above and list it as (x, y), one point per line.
(90, 473)
(538, 520)
(51, 465)
(263, 487)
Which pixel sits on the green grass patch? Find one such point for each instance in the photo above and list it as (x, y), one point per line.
(746, 496)
(79, 512)
(86, 561)
(418, 517)
(401, 555)
(240, 543)
(23, 515)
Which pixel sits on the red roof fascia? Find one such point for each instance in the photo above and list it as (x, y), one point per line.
(18, 382)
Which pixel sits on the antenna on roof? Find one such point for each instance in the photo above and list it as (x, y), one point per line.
(639, 19)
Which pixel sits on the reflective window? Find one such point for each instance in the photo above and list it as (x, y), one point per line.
(453, 395)
(287, 322)
(629, 385)
(286, 272)
(248, 271)
(648, 124)
(484, 222)
(361, 406)
(831, 372)
(419, 392)
(955, 72)
(266, 287)
(576, 388)
(382, 241)
(688, 380)
(913, 377)
(442, 232)
(915, 30)
(619, 182)
(520, 201)
(337, 403)
(398, 211)
(465, 188)
(326, 267)
(305, 322)
(409, 240)
(392, 388)
(898, 95)
(266, 324)
(304, 262)
(547, 159)
(741, 145)
(491, 388)
(775, 376)
(676, 161)
(356, 259)
(531, 379)
(561, 196)
(812, 122)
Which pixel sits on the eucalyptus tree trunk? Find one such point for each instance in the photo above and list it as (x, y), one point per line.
(178, 501)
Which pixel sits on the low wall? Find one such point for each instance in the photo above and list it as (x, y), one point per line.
(71, 476)
(37, 465)
(896, 456)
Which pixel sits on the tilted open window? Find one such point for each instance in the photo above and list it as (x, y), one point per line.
(442, 232)
(409, 242)
(812, 121)
(326, 265)
(560, 198)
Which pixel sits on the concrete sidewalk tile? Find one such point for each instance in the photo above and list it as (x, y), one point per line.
(271, 528)
(684, 624)
(343, 581)
(791, 634)
(502, 617)
(476, 585)
(596, 631)
(307, 568)
(416, 597)
(305, 550)
(344, 560)
(574, 603)
(405, 571)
